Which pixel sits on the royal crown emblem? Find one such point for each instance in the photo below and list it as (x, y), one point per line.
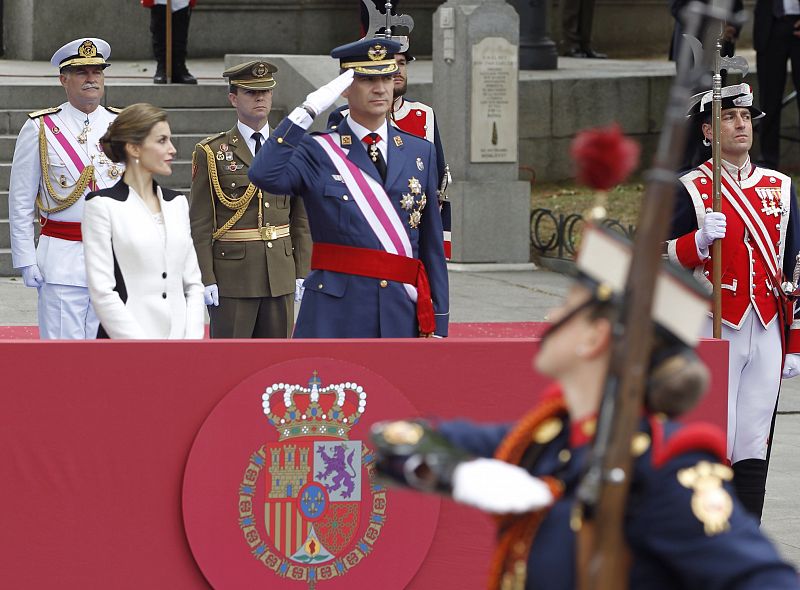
(377, 52)
(260, 70)
(304, 500)
(87, 49)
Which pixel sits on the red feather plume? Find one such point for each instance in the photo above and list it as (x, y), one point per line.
(604, 156)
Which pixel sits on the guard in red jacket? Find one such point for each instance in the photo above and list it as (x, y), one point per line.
(760, 232)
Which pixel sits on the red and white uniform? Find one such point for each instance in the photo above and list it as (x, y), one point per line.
(758, 251)
(416, 118)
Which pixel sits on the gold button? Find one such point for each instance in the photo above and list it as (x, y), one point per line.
(222, 254)
(384, 283)
(564, 455)
(269, 244)
(279, 140)
(233, 184)
(266, 205)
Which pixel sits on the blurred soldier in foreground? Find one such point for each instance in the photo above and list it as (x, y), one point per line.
(684, 527)
(57, 161)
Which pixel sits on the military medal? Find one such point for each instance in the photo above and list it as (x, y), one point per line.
(414, 186)
(234, 167)
(423, 200)
(229, 156)
(113, 171)
(770, 200)
(420, 165)
(84, 135)
(220, 156)
(62, 180)
(224, 147)
(398, 141)
(414, 219)
(373, 152)
(407, 202)
(711, 503)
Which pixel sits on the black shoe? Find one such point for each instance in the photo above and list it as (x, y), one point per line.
(160, 77)
(589, 52)
(184, 78)
(575, 52)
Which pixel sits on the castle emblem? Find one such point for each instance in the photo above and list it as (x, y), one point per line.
(308, 507)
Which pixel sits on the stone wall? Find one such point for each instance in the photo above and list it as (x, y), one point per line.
(33, 29)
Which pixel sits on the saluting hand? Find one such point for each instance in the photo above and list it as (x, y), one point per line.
(320, 100)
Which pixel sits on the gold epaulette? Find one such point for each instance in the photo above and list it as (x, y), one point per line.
(211, 138)
(43, 112)
(115, 110)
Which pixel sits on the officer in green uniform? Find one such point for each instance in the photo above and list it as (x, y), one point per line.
(253, 247)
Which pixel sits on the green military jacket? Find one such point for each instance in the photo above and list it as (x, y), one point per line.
(258, 268)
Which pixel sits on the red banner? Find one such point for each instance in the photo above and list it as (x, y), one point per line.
(140, 465)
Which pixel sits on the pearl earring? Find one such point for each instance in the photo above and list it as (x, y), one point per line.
(706, 142)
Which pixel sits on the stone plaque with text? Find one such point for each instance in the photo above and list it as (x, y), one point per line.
(494, 101)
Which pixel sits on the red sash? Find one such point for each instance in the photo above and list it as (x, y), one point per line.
(378, 264)
(63, 230)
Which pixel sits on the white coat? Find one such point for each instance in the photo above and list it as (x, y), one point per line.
(141, 286)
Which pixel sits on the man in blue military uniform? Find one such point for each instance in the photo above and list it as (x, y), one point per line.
(417, 118)
(683, 526)
(378, 266)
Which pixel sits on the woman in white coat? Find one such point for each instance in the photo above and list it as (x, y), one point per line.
(144, 281)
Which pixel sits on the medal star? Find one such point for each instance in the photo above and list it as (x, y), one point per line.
(407, 202)
(414, 186)
(414, 219)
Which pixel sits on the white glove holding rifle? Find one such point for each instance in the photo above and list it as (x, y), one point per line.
(713, 228)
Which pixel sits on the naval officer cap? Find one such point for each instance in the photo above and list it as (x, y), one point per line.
(88, 51)
(368, 57)
(253, 75)
(736, 96)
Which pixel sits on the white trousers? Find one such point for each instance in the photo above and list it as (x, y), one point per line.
(65, 313)
(754, 378)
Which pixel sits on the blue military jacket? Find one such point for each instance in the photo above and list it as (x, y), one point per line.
(669, 545)
(339, 305)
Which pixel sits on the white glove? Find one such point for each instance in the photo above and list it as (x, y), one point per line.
(320, 100)
(32, 276)
(299, 289)
(499, 487)
(713, 229)
(791, 366)
(211, 295)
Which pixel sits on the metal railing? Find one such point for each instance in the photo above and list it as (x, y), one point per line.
(557, 235)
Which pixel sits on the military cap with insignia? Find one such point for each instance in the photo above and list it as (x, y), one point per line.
(87, 51)
(736, 96)
(368, 57)
(253, 75)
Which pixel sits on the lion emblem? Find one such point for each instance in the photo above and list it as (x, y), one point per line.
(338, 471)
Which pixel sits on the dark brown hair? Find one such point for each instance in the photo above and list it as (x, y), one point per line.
(132, 125)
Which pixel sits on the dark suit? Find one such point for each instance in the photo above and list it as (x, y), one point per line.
(344, 305)
(775, 45)
(576, 24)
(256, 278)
